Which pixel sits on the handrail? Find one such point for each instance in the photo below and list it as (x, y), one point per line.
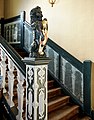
(13, 55)
(28, 24)
(9, 20)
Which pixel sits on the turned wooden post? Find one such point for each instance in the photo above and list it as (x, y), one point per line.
(20, 91)
(1, 95)
(3, 69)
(10, 82)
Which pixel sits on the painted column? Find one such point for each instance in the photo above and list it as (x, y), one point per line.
(10, 82)
(36, 88)
(20, 92)
(3, 69)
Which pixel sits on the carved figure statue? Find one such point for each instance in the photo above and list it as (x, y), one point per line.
(40, 30)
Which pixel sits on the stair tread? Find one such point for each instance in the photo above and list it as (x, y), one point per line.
(57, 103)
(63, 112)
(50, 81)
(80, 116)
(85, 118)
(54, 92)
(54, 89)
(57, 99)
(21, 52)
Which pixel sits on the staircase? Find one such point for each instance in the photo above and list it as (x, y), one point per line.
(60, 107)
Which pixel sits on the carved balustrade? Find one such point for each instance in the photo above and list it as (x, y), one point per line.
(8, 68)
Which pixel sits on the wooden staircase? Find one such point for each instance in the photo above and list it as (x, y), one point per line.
(59, 105)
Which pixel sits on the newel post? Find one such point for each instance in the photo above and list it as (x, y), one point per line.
(87, 85)
(36, 88)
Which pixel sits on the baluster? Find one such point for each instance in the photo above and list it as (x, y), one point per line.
(20, 91)
(10, 82)
(3, 69)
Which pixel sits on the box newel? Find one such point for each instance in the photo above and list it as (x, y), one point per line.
(37, 68)
(36, 88)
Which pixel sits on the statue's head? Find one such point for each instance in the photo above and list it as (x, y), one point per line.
(35, 15)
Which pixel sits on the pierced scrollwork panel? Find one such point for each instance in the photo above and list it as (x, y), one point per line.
(78, 90)
(28, 38)
(54, 64)
(12, 32)
(68, 76)
(6, 31)
(72, 78)
(19, 32)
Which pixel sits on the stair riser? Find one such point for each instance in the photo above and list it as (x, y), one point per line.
(50, 84)
(58, 105)
(70, 115)
(54, 93)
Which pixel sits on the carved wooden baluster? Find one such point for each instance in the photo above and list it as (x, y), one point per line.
(10, 82)
(3, 68)
(20, 91)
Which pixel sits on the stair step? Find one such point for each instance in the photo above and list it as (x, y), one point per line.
(54, 92)
(57, 102)
(50, 84)
(80, 116)
(85, 118)
(64, 113)
(21, 52)
(18, 49)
